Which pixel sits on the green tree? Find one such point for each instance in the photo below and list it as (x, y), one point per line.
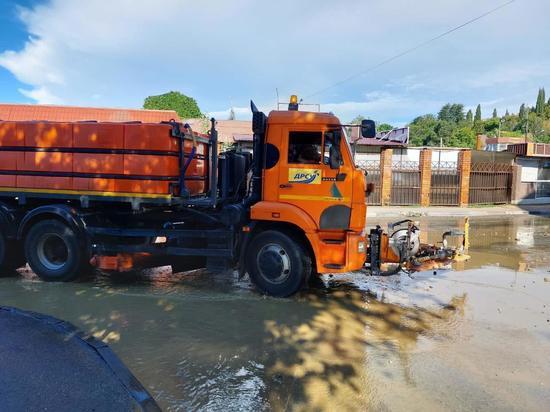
(186, 107)
(451, 113)
(522, 111)
(457, 112)
(477, 117)
(462, 137)
(444, 130)
(445, 113)
(469, 117)
(384, 127)
(541, 101)
(536, 126)
(422, 131)
(495, 114)
(357, 120)
(490, 126)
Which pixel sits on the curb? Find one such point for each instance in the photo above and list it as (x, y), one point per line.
(134, 388)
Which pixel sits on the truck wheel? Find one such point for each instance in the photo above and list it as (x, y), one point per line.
(53, 251)
(278, 265)
(11, 257)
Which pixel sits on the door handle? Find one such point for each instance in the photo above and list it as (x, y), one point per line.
(285, 186)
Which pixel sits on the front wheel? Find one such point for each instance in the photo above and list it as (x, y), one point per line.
(277, 264)
(54, 252)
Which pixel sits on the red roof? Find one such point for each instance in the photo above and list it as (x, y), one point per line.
(26, 112)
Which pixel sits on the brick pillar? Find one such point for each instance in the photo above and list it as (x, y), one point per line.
(425, 176)
(464, 166)
(385, 176)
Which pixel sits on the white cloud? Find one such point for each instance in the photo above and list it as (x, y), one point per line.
(224, 53)
(41, 95)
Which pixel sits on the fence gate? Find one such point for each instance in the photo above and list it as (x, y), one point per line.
(445, 186)
(490, 183)
(405, 185)
(372, 167)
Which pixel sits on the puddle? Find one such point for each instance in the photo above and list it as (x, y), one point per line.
(476, 337)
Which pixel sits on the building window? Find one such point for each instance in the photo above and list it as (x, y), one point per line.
(304, 147)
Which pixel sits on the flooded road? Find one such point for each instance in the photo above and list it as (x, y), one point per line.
(475, 337)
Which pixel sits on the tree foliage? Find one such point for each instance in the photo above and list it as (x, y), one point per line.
(478, 113)
(357, 120)
(469, 117)
(384, 127)
(452, 128)
(186, 107)
(453, 113)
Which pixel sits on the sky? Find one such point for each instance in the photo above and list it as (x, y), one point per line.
(115, 53)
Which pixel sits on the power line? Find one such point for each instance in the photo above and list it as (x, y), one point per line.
(418, 46)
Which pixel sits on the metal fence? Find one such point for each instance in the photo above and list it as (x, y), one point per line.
(445, 184)
(490, 183)
(405, 187)
(372, 167)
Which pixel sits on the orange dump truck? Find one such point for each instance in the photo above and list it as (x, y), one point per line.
(79, 195)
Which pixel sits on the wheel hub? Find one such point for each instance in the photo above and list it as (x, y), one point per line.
(273, 263)
(52, 251)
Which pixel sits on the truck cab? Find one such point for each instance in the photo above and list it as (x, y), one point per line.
(312, 192)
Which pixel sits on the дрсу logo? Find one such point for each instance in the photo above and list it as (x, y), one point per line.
(306, 176)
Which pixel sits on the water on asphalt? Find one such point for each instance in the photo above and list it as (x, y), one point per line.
(473, 337)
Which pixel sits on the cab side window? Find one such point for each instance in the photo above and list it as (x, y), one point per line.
(332, 138)
(304, 147)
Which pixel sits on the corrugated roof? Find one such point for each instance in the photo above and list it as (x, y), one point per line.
(29, 112)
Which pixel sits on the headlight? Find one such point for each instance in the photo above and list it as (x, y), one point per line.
(361, 247)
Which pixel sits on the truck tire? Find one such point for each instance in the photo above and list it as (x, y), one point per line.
(11, 257)
(54, 252)
(278, 265)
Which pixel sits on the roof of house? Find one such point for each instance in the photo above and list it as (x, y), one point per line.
(229, 131)
(23, 112)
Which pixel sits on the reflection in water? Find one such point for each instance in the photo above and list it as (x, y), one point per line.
(323, 362)
(208, 342)
(519, 243)
(204, 343)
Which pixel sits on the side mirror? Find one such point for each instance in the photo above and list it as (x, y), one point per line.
(335, 157)
(368, 129)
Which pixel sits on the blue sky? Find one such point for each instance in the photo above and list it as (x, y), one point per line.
(117, 52)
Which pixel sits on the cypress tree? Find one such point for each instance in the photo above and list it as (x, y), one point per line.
(495, 114)
(469, 117)
(507, 113)
(478, 113)
(521, 113)
(541, 99)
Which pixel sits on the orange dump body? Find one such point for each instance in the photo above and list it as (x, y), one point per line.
(107, 159)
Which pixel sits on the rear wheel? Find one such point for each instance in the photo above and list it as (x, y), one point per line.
(277, 264)
(54, 252)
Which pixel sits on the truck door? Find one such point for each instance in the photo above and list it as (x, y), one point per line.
(307, 180)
